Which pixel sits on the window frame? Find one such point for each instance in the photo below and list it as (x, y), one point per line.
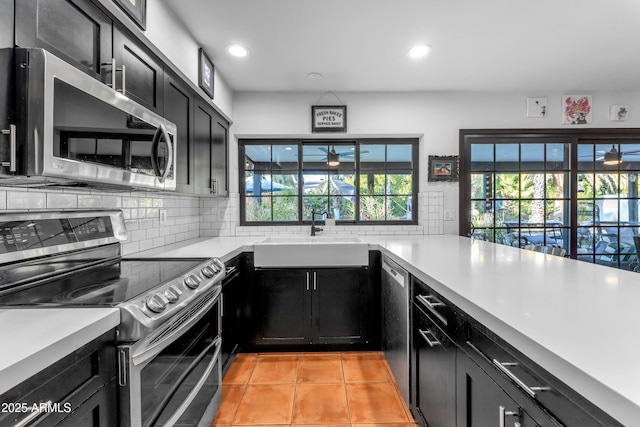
(572, 136)
(357, 142)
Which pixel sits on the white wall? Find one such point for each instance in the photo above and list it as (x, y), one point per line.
(178, 44)
(438, 116)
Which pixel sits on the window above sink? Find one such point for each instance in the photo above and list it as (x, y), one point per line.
(362, 181)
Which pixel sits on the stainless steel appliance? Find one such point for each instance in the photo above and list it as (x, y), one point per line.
(395, 303)
(71, 129)
(169, 340)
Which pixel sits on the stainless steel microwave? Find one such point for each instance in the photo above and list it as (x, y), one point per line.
(71, 129)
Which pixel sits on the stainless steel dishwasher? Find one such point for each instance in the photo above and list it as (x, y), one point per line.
(395, 306)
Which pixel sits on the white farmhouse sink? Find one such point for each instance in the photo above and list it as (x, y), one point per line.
(311, 251)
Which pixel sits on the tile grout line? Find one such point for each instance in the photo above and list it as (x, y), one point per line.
(244, 391)
(295, 391)
(346, 393)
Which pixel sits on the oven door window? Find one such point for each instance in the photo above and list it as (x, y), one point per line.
(169, 380)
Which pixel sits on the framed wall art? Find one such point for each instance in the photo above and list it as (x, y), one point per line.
(576, 109)
(536, 107)
(328, 118)
(619, 113)
(443, 168)
(136, 10)
(205, 73)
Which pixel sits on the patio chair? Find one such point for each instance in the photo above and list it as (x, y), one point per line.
(549, 250)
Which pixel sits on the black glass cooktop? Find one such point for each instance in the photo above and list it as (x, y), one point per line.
(106, 284)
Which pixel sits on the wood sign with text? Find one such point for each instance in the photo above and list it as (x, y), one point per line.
(329, 118)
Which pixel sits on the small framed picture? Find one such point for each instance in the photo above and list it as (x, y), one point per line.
(443, 168)
(205, 73)
(328, 118)
(576, 109)
(136, 10)
(619, 113)
(536, 107)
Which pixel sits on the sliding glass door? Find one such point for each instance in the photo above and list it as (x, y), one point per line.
(574, 190)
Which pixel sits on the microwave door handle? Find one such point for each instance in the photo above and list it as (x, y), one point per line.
(161, 131)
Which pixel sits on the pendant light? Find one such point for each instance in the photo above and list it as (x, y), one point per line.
(612, 157)
(333, 158)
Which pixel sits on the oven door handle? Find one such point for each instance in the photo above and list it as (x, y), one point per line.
(196, 388)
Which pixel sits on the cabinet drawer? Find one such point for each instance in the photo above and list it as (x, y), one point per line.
(66, 384)
(537, 391)
(434, 305)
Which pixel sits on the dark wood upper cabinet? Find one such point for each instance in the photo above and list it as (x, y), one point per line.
(178, 109)
(220, 156)
(6, 23)
(143, 79)
(210, 150)
(75, 30)
(88, 37)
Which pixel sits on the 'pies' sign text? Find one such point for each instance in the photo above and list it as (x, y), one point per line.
(330, 118)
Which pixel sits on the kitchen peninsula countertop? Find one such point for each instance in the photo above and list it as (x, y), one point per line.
(575, 319)
(34, 338)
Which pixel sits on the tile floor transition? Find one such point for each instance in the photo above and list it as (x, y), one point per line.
(335, 389)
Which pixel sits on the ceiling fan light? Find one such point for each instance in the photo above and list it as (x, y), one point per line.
(612, 157)
(333, 158)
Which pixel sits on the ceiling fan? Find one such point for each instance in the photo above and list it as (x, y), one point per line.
(332, 157)
(612, 156)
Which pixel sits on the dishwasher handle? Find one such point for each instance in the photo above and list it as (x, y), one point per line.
(399, 276)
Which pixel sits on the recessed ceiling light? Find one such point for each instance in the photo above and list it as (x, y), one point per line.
(419, 51)
(237, 50)
(314, 76)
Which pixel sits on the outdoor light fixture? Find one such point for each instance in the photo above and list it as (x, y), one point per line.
(333, 158)
(612, 157)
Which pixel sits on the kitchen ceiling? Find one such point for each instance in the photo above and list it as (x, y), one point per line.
(477, 45)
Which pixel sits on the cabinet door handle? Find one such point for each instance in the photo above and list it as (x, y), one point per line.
(112, 85)
(42, 409)
(531, 391)
(503, 414)
(315, 281)
(307, 280)
(425, 335)
(124, 79)
(114, 70)
(431, 303)
(12, 147)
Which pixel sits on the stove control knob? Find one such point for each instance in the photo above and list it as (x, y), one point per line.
(171, 295)
(192, 281)
(208, 272)
(215, 268)
(156, 303)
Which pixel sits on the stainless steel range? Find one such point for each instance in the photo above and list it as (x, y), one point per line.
(169, 338)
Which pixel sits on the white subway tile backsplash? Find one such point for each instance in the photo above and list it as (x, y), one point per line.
(25, 200)
(62, 201)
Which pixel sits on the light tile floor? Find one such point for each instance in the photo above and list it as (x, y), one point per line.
(336, 389)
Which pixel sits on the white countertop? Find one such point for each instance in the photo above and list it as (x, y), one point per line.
(35, 338)
(575, 319)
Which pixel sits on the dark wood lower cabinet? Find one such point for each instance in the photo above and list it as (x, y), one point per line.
(283, 307)
(324, 306)
(434, 366)
(481, 402)
(78, 390)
